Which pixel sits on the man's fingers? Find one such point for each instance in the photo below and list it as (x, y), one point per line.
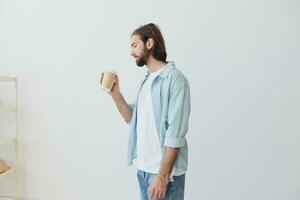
(157, 190)
(153, 197)
(160, 194)
(156, 194)
(152, 193)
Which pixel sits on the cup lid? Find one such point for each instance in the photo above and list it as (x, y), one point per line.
(109, 70)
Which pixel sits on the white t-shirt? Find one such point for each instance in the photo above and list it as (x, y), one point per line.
(149, 150)
(149, 153)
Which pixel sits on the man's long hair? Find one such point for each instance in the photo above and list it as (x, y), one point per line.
(158, 51)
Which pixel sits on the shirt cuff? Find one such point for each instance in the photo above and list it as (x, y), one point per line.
(174, 142)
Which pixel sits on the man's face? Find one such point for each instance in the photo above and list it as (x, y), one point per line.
(139, 51)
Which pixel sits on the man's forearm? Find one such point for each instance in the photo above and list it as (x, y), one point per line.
(123, 107)
(159, 185)
(168, 161)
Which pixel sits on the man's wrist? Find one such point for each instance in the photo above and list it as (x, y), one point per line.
(117, 96)
(164, 175)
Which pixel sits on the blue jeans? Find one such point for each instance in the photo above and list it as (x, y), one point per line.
(175, 189)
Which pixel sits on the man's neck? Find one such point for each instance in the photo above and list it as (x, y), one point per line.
(154, 65)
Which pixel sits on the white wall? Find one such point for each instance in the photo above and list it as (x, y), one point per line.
(239, 56)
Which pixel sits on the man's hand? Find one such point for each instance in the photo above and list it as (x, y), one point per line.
(115, 90)
(158, 187)
(121, 104)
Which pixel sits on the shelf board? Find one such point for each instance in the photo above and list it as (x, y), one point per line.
(11, 170)
(2, 110)
(7, 141)
(7, 78)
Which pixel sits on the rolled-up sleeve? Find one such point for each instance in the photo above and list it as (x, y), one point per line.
(132, 107)
(178, 116)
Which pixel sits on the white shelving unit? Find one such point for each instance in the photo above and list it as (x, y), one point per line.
(12, 140)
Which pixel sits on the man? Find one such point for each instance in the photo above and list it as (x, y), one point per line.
(158, 118)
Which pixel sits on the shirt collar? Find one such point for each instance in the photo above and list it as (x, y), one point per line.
(165, 71)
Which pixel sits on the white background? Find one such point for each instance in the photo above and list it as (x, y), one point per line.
(240, 57)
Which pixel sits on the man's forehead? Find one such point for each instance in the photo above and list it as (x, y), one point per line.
(135, 38)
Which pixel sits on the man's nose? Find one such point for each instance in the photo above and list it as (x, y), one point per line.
(132, 53)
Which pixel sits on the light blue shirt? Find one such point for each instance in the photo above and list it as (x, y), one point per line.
(171, 105)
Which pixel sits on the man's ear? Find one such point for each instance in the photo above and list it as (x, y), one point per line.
(149, 43)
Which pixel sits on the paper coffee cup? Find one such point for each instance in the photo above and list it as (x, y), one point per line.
(108, 78)
(3, 166)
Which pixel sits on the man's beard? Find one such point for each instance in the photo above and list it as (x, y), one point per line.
(142, 60)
